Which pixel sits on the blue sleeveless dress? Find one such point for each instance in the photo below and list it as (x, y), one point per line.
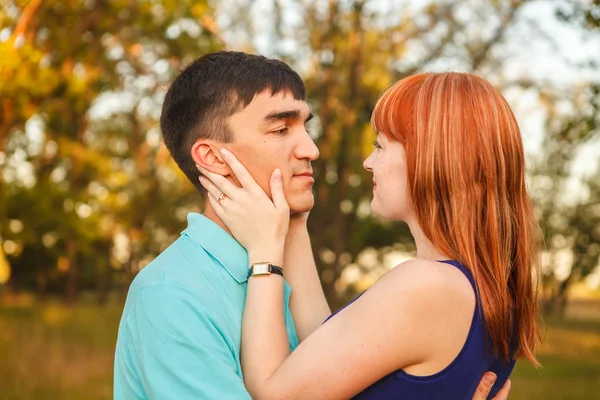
(459, 380)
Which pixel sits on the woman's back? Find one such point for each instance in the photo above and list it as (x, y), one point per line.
(460, 378)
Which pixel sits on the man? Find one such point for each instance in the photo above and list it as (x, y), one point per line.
(180, 332)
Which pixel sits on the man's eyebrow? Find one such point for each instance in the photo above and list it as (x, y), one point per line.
(288, 114)
(279, 115)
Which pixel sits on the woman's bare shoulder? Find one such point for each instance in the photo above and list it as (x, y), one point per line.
(428, 283)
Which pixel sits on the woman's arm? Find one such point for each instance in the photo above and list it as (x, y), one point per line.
(395, 324)
(264, 337)
(307, 302)
(413, 316)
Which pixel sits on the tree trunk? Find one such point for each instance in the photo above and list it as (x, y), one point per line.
(558, 302)
(41, 282)
(72, 275)
(103, 276)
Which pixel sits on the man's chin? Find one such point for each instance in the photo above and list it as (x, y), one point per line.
(298, 206)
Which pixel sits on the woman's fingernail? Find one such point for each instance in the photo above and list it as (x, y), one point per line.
(198, 167)
(277, 174)
(489, 378)
(225, 152)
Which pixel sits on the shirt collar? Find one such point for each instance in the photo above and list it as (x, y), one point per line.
(219, 244)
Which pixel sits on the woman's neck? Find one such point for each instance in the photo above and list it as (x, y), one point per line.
(425, 249)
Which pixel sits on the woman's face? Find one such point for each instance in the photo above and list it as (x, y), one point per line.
(391, 197)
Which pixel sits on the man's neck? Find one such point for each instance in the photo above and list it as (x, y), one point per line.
(211, 214)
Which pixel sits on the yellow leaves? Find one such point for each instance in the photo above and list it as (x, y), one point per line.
(135, 50)
(30, 110)
(198, 10)
(432, 8)
(210, 24)
(4, 266)
(367, 137)
(20, 71)
(63, 264)
(204, 14)
(67, 66)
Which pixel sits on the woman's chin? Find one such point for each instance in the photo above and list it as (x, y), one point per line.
(378, 211)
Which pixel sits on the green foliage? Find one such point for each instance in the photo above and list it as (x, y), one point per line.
(75, 178)
(88, 195)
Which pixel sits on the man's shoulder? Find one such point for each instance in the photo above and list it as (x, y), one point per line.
(165, 309)
(173, 276)
(177, 263)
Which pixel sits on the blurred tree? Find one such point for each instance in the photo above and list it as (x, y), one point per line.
(87, 189)
(81, 84)
(569, 204)
(350, 52)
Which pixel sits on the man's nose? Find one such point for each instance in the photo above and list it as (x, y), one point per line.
(307, 149)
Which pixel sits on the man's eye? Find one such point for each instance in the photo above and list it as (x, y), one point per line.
(281, 131)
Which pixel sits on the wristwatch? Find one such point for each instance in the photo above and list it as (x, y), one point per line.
(264, 268)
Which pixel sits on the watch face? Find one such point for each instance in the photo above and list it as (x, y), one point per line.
(261, 269)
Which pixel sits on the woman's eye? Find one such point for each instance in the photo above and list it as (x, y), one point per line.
(376, 145)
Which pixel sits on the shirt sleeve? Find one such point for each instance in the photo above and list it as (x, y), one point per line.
(178, 349)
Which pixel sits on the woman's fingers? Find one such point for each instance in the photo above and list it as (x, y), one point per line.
(216, 205)
(220, 182)
(213, 191)
(239, 170)
(277, 192)
(504, 392)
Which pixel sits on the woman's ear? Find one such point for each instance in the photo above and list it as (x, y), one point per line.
(206, 154)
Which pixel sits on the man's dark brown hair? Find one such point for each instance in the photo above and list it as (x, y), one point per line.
(210, 90)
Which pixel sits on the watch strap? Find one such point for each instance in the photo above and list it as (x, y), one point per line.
(272, 269)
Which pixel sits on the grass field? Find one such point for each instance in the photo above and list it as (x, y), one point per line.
(56, 352)
(570, 361)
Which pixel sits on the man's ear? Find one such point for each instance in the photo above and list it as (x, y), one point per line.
(206, 153)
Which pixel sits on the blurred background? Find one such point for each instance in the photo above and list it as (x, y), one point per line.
(89, 194)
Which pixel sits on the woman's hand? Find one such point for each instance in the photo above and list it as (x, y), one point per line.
(257, 222)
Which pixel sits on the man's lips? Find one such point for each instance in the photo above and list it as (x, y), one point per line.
(304, 175)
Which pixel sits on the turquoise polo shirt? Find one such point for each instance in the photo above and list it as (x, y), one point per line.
(180, 333)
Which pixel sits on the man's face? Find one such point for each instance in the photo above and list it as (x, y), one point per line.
(270, 133)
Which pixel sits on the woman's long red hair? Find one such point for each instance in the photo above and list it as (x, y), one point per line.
(466, 176)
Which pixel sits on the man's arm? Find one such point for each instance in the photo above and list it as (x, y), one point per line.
(307, 301)
(177, 350)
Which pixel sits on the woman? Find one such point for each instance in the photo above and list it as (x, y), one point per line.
(449, 162)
